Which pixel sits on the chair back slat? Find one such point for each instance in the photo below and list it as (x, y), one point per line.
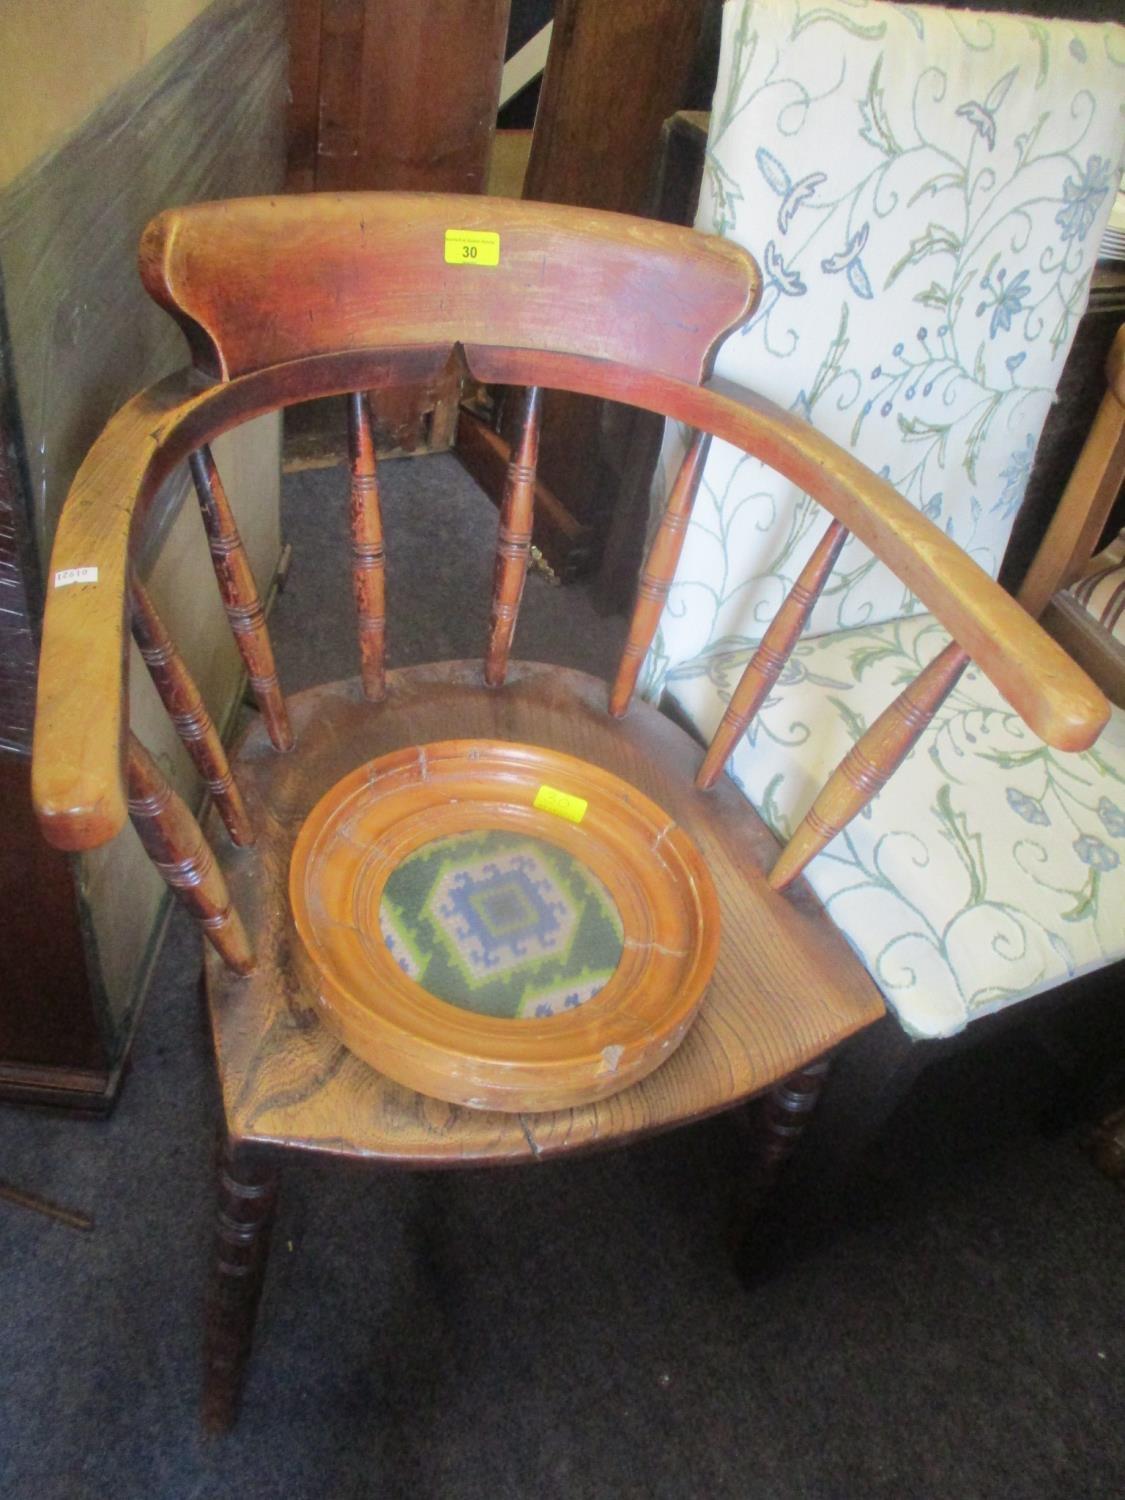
(188, 713)
(174, 841)
(365, 519)
(874, 757)
(773, 652)
(513, 543)
(658, 572)
(240, 597)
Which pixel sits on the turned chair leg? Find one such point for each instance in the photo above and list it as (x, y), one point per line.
(247, 1193)
(783, 1115)
(785, 1112)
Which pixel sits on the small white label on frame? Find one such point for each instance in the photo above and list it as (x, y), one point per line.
(66, 576)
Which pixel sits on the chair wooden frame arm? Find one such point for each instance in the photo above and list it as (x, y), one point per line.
(1091, 490)
(77, 771)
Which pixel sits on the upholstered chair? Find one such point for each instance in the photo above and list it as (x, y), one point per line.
(925, 190)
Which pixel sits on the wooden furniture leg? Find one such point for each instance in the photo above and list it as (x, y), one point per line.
(783, 1115)
(247, 1184)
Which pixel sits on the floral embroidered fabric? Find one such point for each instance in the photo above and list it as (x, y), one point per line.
(989, 868)
(925, 190)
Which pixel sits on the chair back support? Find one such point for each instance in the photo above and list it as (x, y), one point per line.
(325, 340)
(259, 281)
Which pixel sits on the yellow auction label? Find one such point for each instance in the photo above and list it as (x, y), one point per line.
(562, 804)
(472, 247)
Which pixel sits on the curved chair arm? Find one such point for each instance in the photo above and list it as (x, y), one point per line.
(78, 751)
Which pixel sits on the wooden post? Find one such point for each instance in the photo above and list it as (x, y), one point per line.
(869, 763)
(368, 558)
(174, 842)
(240, 597)
(773, 652)
(513, 544)
(188, 713)
(658, 572)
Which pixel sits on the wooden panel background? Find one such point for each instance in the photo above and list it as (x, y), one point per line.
(617, 69)
(395, 94)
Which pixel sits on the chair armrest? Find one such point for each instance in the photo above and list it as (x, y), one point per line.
(1033, 673)
(77, 768)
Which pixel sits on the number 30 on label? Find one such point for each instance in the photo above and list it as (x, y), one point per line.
(472, 247)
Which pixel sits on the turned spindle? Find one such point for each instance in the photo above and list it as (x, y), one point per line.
(368, 559)
(773, 652)
(174, 842)
(513, 544)
(240, 597)
(658, 572)
(874, 757)
(188, 713)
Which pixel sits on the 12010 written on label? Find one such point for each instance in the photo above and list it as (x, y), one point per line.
(472, 247)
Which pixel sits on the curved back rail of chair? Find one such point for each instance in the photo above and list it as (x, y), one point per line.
(285, 300)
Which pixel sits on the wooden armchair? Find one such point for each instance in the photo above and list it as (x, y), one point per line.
(289, 299)
(1079, 595)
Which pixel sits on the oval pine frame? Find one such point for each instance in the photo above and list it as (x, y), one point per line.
(373, 818)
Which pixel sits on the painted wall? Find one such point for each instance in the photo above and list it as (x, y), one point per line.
(61, 58)
(113, 110)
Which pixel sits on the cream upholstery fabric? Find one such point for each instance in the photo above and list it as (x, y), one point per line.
(987, 869)
(925, 191)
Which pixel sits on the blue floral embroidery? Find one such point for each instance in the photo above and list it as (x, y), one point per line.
(982, 121)
(1091, 851)
(1015, 478)
(779, 274)
(1007, 299)
(793, 195)
(1084, 197)
(1027, 807)
(1113, 819)
(848, 260)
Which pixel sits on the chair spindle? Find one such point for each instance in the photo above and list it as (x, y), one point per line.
(174, 842)
(188, 713)
(368, 558)
(870, 762)
(658, 572)
(773, 652)
(240, 597)
(513, 544)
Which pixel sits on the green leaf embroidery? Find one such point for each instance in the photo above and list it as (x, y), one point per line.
(968, 846)
(917, 430)
(936, 240)
(876, 127)
(811, 17)
(934, 296)
(771, 812)
(1086, 904)
(853, 721)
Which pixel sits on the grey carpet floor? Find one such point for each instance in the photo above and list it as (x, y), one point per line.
(572, 1330)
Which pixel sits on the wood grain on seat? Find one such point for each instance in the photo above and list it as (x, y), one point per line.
(786, 987)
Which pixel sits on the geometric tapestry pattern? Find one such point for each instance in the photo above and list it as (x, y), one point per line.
(501, 924)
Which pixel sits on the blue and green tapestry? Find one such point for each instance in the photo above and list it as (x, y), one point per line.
(501, 924)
